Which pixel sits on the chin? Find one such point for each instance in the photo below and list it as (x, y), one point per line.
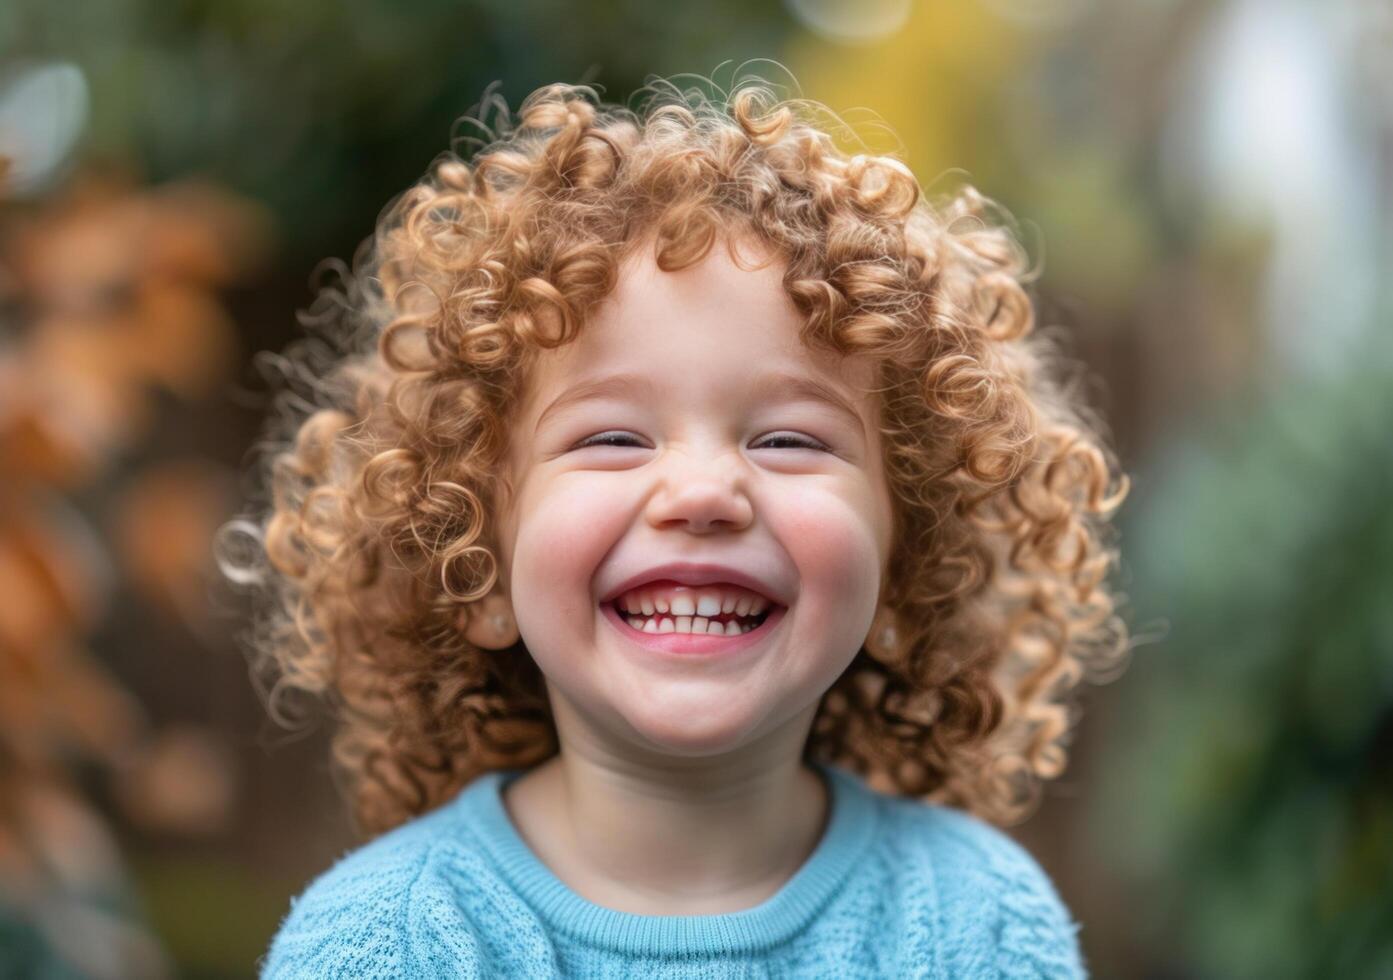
(692, 739)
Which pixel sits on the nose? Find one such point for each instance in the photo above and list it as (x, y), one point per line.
(701, 492)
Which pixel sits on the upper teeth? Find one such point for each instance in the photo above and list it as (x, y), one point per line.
(707, 601)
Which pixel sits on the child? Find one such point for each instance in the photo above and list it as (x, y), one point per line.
(697, 549)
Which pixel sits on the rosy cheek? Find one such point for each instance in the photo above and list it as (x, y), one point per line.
(580, 514)
(831, 541)
(561, 539)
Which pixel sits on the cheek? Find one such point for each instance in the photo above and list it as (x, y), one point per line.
(833, 540)
(561, 539)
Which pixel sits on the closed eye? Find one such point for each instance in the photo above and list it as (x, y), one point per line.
(799, 442)
(619, 439)
(604, 439)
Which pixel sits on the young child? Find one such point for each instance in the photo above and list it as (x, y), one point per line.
(697, 549)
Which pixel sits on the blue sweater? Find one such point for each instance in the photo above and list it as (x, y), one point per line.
(895, 888)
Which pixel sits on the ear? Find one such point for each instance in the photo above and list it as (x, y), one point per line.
(489, 622)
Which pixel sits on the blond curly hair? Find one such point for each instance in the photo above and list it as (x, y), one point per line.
(377, 552)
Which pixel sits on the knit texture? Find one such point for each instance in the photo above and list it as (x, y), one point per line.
(894, 888)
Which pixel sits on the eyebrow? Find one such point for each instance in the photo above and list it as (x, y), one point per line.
(767, 387)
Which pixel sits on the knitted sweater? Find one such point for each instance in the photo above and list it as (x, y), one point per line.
(894, 888)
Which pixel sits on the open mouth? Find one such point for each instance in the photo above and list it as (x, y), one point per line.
(721, 624)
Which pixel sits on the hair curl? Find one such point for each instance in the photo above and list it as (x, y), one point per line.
(376, 547)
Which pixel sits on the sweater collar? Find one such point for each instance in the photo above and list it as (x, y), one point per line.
(851, 825)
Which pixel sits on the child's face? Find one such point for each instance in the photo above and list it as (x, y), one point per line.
(689, 471)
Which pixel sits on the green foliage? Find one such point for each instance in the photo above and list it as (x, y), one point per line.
(214, 915)
(1253, 795)
(326, 110)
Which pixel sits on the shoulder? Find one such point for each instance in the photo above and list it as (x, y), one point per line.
(994, 898)
(362, 916)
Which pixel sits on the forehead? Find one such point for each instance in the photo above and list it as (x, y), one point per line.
(712, 331)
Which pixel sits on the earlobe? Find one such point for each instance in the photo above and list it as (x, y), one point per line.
(882, 640)
(489, 622)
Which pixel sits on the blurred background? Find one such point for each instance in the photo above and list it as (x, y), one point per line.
(1207, 186)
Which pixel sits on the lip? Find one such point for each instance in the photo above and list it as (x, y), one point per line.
(688, 645)
(697, 574)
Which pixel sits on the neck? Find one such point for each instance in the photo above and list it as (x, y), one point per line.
(699, 837)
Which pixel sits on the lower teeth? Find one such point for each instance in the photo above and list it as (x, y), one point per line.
(689, 625)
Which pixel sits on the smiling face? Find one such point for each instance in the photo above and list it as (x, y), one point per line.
(702, 458)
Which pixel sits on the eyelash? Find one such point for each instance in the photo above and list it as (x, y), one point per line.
(803, 442)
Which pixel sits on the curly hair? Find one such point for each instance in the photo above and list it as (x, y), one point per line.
(376, 549)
